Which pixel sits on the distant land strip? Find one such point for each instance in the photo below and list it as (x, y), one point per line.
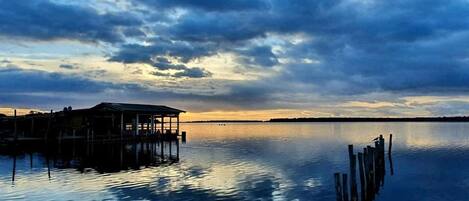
(373, 119)
(347, 119)
(224, 121)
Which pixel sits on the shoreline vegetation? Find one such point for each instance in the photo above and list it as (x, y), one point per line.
(347, 119)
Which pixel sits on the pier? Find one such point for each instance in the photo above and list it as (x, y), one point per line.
(103, 122)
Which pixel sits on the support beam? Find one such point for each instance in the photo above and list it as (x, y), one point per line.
(152, 121)
(32, 126)
(162, 124)
(177, 128)
(122, 125)
(148, 126)
(170, 125)
(136, 125)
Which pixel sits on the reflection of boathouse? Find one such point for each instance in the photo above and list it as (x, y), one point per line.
(103, 121)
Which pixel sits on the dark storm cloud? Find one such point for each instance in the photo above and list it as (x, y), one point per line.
(193, 73)
(155, 54)
(260, 55)
(209, 5)
(68, 66)
(16, 80)
(45, 90)
(44, 20)
(229, 27)
(164, 64)
(184, 51)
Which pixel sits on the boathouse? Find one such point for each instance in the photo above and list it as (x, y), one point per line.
(103, 121)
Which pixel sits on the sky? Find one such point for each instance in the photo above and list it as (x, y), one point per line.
(238, 59)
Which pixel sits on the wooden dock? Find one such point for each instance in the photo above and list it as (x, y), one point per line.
(103, 122)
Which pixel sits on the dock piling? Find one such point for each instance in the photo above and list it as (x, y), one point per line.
(362, 175)
(344, 187)
(183, 136)
(338, 186)
(371, 170)
(353, 178)
(16, 127)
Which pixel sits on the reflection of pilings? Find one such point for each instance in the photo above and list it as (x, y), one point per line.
(338, 186)
(389, 155)
(162, 150)
(344, 189)
(48, 163)
(170, 145)
(100, 156)
(371, 169)
(14, 165)
(31, 159)
(362, 175)
(390, 144)
(177, 148)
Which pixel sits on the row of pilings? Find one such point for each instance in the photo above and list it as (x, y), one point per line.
(371, 171)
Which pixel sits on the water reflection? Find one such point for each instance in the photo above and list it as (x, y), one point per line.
(102, 157)
(256, 161)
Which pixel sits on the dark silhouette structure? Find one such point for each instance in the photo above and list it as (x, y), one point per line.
(371, 171)
(105, 121)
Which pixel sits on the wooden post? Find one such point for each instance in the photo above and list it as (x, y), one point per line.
(338, 186)
(362, 175)
(170, 125)
(148, 126)
(183, 136)
(371, 154)
(377, 165)
(32, 126)
(16, 129)
(122, 125)
(366, 166)
(353, 178)
(136, 125)
(344, 187)
(113, 123)
(382, 162)
(48, 126)
(152, 121)
(177, 119)
(162, 125)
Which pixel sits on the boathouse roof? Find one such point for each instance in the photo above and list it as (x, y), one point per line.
(142, 108)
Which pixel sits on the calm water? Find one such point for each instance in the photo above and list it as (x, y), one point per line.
(250, 161)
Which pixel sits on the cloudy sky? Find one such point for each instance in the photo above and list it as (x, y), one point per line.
(238, 59)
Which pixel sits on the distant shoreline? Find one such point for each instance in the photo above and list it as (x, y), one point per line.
(346, 119)
(373, 119)
(224, 121)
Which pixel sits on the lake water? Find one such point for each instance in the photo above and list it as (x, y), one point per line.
(250, 161)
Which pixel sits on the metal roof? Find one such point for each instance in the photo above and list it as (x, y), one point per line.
(128, 107)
